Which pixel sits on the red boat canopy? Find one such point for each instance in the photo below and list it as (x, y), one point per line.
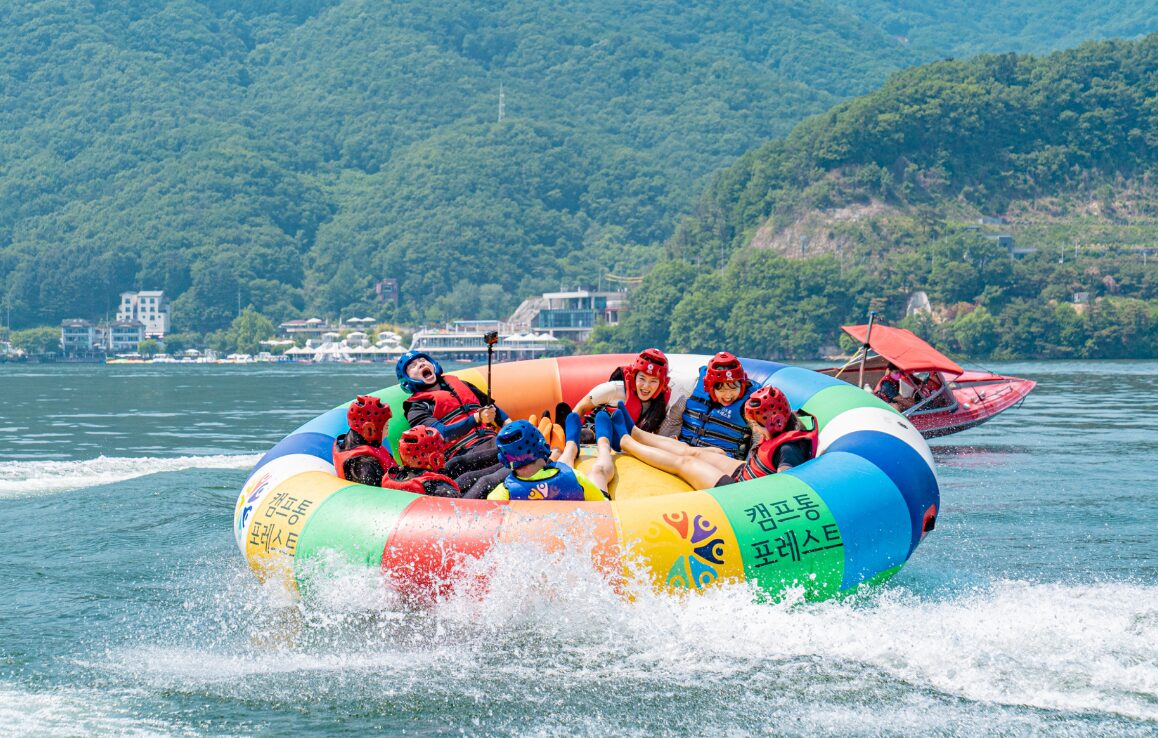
(904, 349)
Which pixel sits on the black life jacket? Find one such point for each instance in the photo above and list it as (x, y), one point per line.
(451, 404)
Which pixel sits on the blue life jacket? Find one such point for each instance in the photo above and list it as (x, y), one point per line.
(708, 423)
(559, 484)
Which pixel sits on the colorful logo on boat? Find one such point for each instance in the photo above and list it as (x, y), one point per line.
(247, 503)
(697, 566)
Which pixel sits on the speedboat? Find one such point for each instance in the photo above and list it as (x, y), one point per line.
(940, 397)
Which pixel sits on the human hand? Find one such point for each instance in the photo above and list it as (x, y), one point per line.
(486, 415)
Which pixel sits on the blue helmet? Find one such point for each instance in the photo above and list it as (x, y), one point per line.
(407, 383)
(520, 443)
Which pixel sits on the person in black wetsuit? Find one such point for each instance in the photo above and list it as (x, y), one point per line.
(465, 416)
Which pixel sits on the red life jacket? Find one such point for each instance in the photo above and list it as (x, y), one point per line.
(341, 456)
(451, 406)
(759, 463)
(417, 483)
(634, 405)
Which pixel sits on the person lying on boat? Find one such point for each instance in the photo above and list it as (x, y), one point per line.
(423, 453)
(464, 415)
(897, 387)
(783, 444)
(360, 454)
(534, 476)
(712, 417)
(642, 387)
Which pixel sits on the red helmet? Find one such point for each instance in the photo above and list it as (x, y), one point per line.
(769, 407)
(422, 447)
(651, 362)
(368, 417)
(723, 367)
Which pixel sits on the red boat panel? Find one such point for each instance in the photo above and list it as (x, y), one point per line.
(904, 349)
(980, 396)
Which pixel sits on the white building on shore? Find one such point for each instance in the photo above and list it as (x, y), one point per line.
(150, 307)
(84, 337)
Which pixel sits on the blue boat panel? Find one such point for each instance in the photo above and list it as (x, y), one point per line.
(799, 385)
(759, 370)
(869, 510)
(314, 444)
(331, 423)
(903, 465)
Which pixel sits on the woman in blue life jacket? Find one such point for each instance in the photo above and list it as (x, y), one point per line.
(713, 417)
(783, 443)
(534, 476)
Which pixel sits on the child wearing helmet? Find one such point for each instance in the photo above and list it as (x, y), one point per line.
(783, 444)
(642, 386)
(534, 476)
(359, 454)
(461, 412)
(713, 416)
(423, 453)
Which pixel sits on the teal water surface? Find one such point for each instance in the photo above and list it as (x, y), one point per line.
(126, 609)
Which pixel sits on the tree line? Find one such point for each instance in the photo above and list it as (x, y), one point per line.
(1060, 149)
(287, 155)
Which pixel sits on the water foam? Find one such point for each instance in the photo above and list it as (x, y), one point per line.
(68, 712)
(32, 478)
(1039, 654)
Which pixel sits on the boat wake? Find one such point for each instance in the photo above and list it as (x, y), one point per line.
(32, 478)
(1013, 656)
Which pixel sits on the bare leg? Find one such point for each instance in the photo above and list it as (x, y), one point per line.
(700, 473)
(671, 445)
(654, 440)
(603, 471)
(570, 454)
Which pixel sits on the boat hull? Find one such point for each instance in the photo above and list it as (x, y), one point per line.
(979, 397)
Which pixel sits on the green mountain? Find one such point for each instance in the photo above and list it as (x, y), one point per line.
(287, 155)
(1016, 191)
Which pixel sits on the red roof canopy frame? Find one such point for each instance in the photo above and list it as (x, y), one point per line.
(904, 349)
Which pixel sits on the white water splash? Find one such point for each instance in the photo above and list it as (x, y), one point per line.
(68, 712)
(1032, 657)
(32, 478)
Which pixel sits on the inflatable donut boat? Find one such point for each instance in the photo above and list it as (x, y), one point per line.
(852, 515)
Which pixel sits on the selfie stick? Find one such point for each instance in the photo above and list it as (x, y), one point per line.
(865, 348)
(491, 338)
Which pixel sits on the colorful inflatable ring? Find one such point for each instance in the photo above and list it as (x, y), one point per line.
(852, 515)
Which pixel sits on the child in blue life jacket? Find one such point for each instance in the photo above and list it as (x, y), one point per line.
(534, 476)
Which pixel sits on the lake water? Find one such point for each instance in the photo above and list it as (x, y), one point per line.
(126, 609)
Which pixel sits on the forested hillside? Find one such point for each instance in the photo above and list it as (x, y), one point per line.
(1017, 191)
(286, 155)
